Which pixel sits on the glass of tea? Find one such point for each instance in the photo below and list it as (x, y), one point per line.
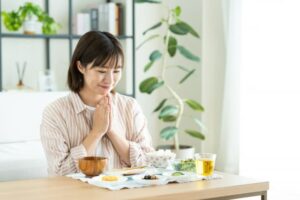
(205, 163)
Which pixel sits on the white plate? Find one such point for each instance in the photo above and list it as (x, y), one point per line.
(97, 180)
(187, 176)
(160, 181)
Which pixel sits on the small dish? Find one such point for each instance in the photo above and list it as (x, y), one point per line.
(100, 180)
(179, 175)
(160, 158)
(161, 180)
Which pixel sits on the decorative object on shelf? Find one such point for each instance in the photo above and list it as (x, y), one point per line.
(170, 111)
(47, 81)
(21, 73)
(33, 19)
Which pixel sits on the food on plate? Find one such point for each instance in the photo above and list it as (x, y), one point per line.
(150, 177)
(177, 174)
(127, 171)
(110, 178)
(186, 165)
(133, 171)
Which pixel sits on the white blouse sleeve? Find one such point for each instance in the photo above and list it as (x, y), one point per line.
(61, 158)
(140, 141)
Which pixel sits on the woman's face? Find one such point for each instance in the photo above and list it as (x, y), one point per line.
(101, 79)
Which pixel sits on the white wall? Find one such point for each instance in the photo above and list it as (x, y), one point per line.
(213, 62)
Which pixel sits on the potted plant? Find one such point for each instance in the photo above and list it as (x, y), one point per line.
(33, 19)
(168, 111)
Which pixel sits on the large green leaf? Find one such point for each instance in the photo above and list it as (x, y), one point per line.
(177, 11)
(186, 26)
(147, 83)
(194, 105)
(172, 46)
(155, 86)
(155, 55)
(186, 53)
(178, 29)
(150, 84)
(195, 134)
(168, 132)
(160, 105)
(152, 27)
(147, 40)
(148, 65)
(187, 76)
(167, 111)
(169, 118)
(182, 28)
(147, 1)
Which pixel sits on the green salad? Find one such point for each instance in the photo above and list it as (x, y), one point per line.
(186, 165)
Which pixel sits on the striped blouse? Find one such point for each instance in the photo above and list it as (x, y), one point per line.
(67, 121)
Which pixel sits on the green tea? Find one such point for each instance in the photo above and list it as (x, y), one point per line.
(205, 167)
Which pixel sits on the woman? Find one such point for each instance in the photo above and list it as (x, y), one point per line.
(93, 119)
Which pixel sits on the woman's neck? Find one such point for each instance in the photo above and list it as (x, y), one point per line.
(89, 98)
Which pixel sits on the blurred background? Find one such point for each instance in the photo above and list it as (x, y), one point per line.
(247, 80)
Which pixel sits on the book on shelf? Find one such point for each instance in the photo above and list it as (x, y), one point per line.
(82, 23)
(94, 19)
(104, 17)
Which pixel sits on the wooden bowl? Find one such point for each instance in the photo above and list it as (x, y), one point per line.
(92, 165)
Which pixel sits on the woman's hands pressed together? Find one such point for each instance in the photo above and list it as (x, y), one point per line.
(101, 117)
(101, 124)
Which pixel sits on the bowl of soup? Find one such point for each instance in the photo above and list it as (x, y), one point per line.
(92, 165)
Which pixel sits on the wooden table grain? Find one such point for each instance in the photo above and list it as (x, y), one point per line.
(57, 188)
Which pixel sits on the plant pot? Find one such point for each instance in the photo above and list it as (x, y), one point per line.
(184, 152)
(31, 27)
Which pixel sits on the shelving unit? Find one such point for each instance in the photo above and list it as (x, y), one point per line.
(69, 36)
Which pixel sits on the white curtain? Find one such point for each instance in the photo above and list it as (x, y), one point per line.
(270, 95)
(227, 138)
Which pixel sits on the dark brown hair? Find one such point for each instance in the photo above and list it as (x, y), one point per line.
(93, 47)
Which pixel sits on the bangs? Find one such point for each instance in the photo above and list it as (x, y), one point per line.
(111, 60)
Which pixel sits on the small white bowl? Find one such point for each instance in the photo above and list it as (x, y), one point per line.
(160, 158)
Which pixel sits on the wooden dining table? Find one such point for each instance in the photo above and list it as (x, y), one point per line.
(58, 188)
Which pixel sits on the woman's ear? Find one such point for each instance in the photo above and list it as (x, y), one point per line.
(80, 67)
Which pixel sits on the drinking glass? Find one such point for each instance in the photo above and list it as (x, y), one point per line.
(205, 163)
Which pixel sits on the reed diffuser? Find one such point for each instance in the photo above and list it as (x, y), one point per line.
(21, 73)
